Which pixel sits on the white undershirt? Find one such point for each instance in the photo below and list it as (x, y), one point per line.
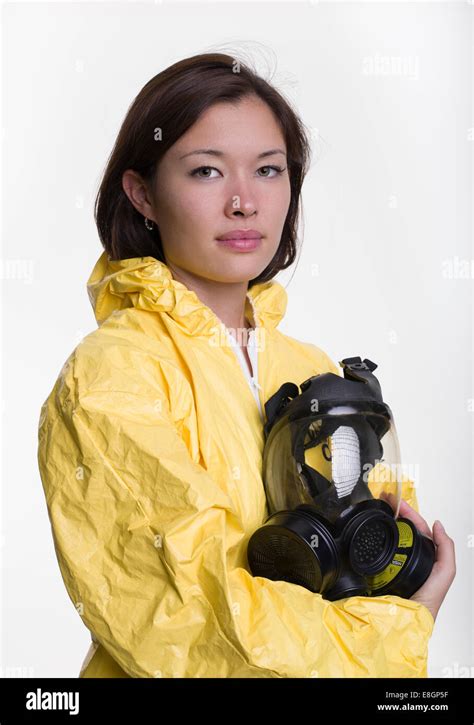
(253, 355)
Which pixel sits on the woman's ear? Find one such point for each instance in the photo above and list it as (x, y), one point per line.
(138, 193)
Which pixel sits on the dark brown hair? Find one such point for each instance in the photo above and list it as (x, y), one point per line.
(172, 101)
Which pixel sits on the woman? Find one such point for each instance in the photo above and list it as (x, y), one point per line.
(150, 443)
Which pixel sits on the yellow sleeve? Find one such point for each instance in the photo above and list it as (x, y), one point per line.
(333, 368)
(149, 548)
(408, 493)
(323, 360)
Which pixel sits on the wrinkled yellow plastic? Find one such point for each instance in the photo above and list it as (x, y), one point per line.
(150, 454)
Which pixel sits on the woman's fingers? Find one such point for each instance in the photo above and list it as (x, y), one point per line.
(408, 512)
(445, 553)
(389, 498)
(435, 588)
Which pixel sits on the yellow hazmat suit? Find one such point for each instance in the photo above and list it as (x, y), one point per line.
(150, 455)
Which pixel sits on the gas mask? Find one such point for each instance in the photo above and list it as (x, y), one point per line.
(331, 470)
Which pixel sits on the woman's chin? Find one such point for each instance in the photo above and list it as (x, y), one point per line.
(234, 268)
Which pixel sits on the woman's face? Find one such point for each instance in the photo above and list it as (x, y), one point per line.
(199, 196)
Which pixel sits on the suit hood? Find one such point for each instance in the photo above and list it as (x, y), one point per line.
(146, 283)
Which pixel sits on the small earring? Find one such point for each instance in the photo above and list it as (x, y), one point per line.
(149, 224)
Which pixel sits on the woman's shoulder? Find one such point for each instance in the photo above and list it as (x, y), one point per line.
(119, 356)
(316, 355)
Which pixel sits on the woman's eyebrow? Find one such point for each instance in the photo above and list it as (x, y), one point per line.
(215, 152)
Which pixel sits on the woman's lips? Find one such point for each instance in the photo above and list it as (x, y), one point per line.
(241, 240)
(241, 245)
(240, 234)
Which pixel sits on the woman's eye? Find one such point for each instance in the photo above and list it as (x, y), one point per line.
(196, 172)
(278, 169)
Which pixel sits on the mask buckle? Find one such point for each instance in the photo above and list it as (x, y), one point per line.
(360, 371)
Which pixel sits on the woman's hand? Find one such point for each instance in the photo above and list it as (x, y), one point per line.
(435, 588)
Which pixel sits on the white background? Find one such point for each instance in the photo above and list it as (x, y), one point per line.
(387, 90)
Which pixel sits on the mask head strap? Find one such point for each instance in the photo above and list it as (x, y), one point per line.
(278, 401)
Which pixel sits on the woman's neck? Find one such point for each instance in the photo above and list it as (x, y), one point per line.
(225, 299)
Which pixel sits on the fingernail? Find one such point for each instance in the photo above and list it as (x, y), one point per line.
(440, 525)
